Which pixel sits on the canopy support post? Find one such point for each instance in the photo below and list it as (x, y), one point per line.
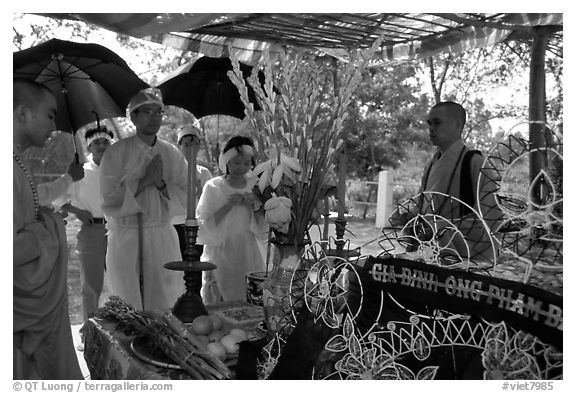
(537, 104)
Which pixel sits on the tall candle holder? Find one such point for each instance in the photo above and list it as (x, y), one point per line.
(190, 305)
(340, 230)
(341, 220)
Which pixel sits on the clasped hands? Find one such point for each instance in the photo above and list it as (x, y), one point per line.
(154, 172)
(247, 199)
(153, 176)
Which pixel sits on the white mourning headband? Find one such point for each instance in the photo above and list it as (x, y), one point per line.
(98, 135)
(230, 154)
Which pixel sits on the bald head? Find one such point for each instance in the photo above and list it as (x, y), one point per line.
(445, 124)
(34, 113)
(455, 110)
(28, 92)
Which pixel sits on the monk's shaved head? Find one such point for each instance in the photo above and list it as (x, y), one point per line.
(28, 92)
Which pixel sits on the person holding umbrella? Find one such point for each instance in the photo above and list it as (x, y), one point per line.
(143, 185)
(83, 199)
(50, 191)
(42, 338)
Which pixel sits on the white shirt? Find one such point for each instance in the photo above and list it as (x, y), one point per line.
(50, 191)
(85, 193)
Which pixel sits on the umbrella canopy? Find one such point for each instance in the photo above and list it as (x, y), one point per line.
(88, 80)
(203, 88)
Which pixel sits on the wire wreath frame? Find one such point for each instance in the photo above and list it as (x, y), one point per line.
(418, 232)
(325, 286)
(530, 227)
(380, 353)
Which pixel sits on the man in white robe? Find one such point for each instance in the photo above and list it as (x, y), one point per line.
(42, 338)
(143, 176)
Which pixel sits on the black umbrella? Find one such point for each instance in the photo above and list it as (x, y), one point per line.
(87, 79)
(203, 88)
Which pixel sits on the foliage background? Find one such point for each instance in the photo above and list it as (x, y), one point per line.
(385, 129)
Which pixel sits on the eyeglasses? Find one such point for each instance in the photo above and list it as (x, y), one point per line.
(148, 112)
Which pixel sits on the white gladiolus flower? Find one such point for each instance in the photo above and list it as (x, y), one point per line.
(272, 172)
(278, 213)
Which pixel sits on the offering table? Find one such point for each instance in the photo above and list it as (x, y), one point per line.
(112, 354)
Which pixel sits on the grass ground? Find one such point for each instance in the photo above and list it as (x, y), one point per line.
(359, 231)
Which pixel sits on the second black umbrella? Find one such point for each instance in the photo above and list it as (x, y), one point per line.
(203, 88)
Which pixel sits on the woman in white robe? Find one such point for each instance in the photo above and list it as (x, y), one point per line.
(231, 228)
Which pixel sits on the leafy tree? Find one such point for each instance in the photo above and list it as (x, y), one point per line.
(40, 29)
(384, 118)
(471, 77)
(159, 59)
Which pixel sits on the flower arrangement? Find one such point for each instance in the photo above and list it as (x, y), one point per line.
(299, 132)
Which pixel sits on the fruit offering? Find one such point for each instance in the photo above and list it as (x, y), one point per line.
(202, 325)
(231, 343)
(217, 336)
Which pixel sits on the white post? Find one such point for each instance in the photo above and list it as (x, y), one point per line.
(384, 201)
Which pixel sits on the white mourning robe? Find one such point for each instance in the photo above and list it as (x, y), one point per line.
(121, 169)
(236, 243)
